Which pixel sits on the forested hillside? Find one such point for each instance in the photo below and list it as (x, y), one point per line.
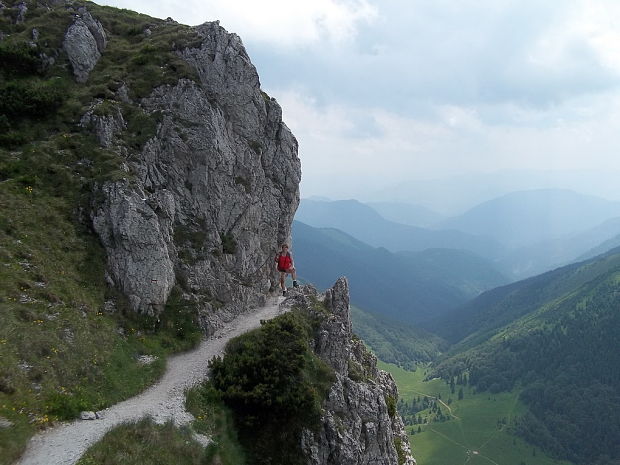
(396, 342)
(561, 349)
(408, 287)
(481, 317)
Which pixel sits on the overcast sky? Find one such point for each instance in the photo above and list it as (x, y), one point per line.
(382, 91)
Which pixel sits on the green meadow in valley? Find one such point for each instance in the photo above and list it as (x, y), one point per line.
(474, 430)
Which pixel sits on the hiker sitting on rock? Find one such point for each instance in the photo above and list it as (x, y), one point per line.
(285, 265)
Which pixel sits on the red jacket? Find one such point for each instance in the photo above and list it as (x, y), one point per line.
(284, 261)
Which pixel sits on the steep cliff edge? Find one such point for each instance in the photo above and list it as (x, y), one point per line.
(360, 424)
(145, 185)
(303, 390)
(211, 194)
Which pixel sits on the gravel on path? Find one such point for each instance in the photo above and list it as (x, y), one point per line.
(165, 400)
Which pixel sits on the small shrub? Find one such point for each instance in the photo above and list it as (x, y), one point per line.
(18, 58)
(391, 406)
(66, 406)
(255, 145)
(229, 245)
(33, 98)
(243, 182)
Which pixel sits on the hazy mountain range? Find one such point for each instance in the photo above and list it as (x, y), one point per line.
(364, 223)
(407, 286)
(522, 233)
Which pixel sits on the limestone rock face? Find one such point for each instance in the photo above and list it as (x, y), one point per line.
(212, 192)
(84, 42)
(105, 127)
(357, 426)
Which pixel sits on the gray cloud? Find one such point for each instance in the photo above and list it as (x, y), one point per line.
(421, 54)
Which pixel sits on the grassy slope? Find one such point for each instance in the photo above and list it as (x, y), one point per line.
(145, 442)
(61, 351)
(473, 427)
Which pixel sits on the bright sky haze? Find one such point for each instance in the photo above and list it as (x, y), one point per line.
(382, 92)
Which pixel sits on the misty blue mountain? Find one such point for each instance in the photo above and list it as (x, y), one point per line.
(406, 286)
(525, 218)
(406, 213)
(365, 224)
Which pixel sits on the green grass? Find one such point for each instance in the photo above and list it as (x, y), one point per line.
(145, 442)
(477, 431)
(62, 349)
(215, 420)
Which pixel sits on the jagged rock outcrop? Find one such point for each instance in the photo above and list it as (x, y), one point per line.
(105, 127)
(84, 42)
(212, 193)
(360, 424)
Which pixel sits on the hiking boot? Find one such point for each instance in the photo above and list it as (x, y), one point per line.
(284, 292)
(295, 284)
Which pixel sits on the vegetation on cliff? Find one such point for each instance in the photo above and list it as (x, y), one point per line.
(273, 386)
(67, 341)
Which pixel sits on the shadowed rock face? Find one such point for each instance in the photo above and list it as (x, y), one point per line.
(357, 427)
(213, 193)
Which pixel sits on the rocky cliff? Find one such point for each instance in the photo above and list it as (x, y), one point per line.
(209, 196)
(360, 424)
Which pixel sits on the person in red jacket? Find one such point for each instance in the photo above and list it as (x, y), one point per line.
(286, 266)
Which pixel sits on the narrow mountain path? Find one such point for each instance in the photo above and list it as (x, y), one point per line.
(165, 400)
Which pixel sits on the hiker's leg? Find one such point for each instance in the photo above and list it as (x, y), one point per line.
(293, 274)
(282, 276)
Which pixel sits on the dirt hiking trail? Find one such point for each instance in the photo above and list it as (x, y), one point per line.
(163, 401)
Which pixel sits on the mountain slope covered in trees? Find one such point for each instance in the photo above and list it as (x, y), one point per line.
(555, 337)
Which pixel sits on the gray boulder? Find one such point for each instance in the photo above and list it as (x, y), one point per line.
(105, 127)
(84, 42)
(88, 416)
(4, 423)
(22, 9)
(136, 230)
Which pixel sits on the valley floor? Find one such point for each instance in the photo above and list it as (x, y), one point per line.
(164, 401)
(474, 429)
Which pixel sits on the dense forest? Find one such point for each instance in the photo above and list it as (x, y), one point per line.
(564, 356)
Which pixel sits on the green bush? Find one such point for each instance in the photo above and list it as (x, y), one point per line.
(275, 386)
(65, 405)
(215, 420)
(229, 244)
(32, 98)
(17, 58)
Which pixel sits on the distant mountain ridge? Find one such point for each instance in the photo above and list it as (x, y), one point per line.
(410, 287)
(406, 213)
(365, 224)
(528, 217)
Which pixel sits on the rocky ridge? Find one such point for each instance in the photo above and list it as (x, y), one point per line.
(360, 424)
